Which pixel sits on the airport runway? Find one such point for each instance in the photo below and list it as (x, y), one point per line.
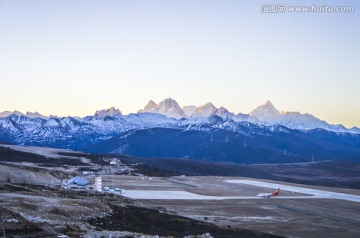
(170, 195)
(185, 195)
(299, 211)
(313, 192)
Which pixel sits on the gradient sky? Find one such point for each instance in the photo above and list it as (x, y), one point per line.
(76, 57)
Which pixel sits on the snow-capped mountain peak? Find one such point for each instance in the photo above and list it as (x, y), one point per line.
(18, 113)
(107, 112)
(224, 113)
(168, 104)
(265, 111)
(171, 108)
(355, 130)
(35, 115)
(150, 107)
(297, 120)
(205, 110)
(168, 107)
(165, 113)
(8, 113)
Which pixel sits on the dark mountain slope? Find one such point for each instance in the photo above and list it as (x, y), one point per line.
(221, 145)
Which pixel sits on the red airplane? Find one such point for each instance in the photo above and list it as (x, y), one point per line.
(268, 195)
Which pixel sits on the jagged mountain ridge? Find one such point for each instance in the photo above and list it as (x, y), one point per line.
(265, 114)
(27, 114)
(153, 135)
(108, 112)
(204, 133)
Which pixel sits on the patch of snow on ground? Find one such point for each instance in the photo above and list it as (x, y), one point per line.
(12, 220)
(36, 219)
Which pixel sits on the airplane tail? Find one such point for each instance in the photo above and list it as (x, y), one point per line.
(276, 193)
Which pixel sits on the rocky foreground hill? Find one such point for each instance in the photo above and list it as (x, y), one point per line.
(32, 204)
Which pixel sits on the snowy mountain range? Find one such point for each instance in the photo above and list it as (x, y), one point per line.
(206, 133)
(27, 114)
(172, 113)
(265, 114)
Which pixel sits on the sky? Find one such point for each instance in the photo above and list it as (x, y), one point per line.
(75, 57)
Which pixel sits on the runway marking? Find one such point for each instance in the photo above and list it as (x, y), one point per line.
(315, 193)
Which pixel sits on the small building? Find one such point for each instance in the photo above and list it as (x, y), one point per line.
(77, 183)
(87, 172)
(63, 236)
(98, 184)
(114, 161)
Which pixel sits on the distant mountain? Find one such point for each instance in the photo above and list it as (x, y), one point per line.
(247, 118)
(224, 113)
(151, 107)
(265, 112)
(154, 135)
(219, 140)
(296, 120)
(355, 130)
(189, 110)
(8, 113)
(269, 115)
(206, 110)
(35, 115)
(27, 114)
(108, 112)
(168, 107)
(204, 133)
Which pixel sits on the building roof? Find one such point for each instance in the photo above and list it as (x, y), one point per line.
(79, 181)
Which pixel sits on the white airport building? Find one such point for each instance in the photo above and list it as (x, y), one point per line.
(77, 183)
